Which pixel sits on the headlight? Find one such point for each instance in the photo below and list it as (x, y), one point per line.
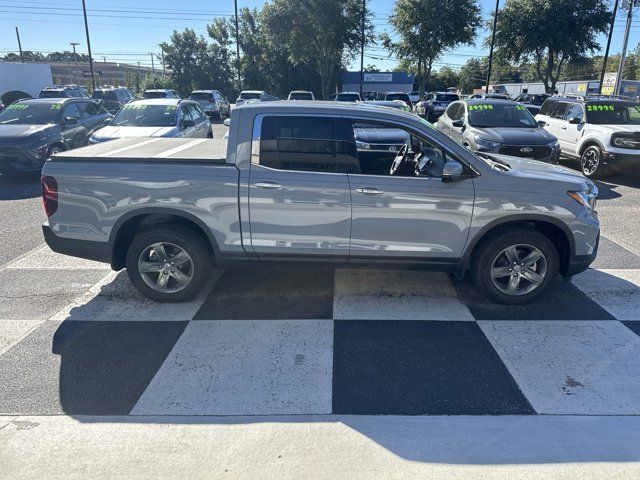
(487, 143)
(586, 198)
(362, 145)
(39, 152)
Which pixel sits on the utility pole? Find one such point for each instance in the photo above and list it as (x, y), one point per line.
(493, 40)
(364, 10)
(153, 67)
(75, 57)
(606, 52)
(19, 46)
(162, 51)
(86, 29)
(624, 48)
(235, 2)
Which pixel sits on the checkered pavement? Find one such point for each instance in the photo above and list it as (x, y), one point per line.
(77, 339)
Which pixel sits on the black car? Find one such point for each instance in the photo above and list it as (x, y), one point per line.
(68, 91)
(434, 104)
(113, 98)
(532, 101)
(32, 130)
(402, 96)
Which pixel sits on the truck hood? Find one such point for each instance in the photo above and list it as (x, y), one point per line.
(109, 133)
(515, 136)
(380, 135)
(25, 133)
(532, 169)
(614, 128)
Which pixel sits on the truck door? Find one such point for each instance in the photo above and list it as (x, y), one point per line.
(299, 203)
(569, 133)
(404, 216)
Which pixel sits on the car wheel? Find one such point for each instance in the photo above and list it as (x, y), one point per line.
(54, 149)
(169, 263)
(591, 164)
(516, 267)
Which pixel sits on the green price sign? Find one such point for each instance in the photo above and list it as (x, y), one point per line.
(18, 106)
(480, 107)
(600, 108)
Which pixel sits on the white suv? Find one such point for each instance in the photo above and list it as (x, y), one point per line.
(599, 132)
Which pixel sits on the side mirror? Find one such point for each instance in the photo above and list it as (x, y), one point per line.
(451, 171)
(542, 123)
(227, 122)
(458, 123)
(575, 121)
(71, 121)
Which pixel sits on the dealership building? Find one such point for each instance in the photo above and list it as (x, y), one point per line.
(378, 82)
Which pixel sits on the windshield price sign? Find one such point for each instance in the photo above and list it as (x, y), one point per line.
(480, 107)
(600, 108)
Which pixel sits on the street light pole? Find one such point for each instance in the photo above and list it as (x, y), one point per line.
(493, 40)
(606, 52)
(624, 48)
(235, 3)
(153, 67)
(364, 10)
(19, 46)
(162, 51)
(75, 57)
(86, 29)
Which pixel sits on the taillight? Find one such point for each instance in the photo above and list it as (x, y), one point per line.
(49, 194)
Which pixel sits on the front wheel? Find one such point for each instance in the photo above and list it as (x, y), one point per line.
(516, 267)
(169, 263)
(591, 164)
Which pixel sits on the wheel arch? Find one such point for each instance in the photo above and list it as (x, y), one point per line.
(555, 230)
(590, 142)
(129, 224)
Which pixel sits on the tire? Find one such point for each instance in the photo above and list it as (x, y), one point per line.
(53, 149)
(181, 281)
(492, 258)
(591, 163)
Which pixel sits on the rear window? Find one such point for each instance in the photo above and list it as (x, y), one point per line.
(52, 94)
(397, 96)
(249, 95)
(347, 97)
(298, 143)
(148, 94)
(300, 96)
(448, 97)
(201, 96)
(104, 94)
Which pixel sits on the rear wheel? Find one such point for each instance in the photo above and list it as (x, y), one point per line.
(516, 267)
(169, 263)
(591, 164)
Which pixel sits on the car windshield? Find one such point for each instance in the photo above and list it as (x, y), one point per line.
(30, 114)
(613, 113)
(537, 100)
(486, 115)
(249, 95)
(300, 96)
(347, 97)
(447, 97)
(201, 96)
(154, 94)
(144, 115)
(397, 96)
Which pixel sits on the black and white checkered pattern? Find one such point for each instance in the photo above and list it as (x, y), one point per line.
(78, 340)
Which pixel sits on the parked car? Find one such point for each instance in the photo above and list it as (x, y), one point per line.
(157, 118)
(414, 96)
(68, 91)
(301, 95)
(213, 102)
(347, 97)
(289, 186)
(402, 96)
(113, 98)
(389, 104)
(32, 130)
(256, 95)
(487, 96)
(499, 126)
(160, 93)
(532, 101)
(370, 96)
(599, 133)
(434, 104)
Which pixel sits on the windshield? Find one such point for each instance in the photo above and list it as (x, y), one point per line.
(613, 113)
(300, 96)
(484, 115)
(249, 95)
(142, 115)
(154, 94)
(30, 114)
(398, 96)
(347, 97)
(201, 96)
(450, 97)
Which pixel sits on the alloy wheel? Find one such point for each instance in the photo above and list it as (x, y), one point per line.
(590, 161)
(518, 269)
(166, 267)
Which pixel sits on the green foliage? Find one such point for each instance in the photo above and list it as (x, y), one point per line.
(151, 81)
(549, 33)
(428, 28)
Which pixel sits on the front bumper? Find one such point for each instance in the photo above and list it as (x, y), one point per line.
(553, 157)
(579, 263)
(15, 160)
(624, 160)
(98, 251)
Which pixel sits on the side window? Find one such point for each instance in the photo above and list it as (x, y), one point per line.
(298, 143)
(547, 106)
(452, 110)
(72, 111)
(574, 110)
(559, 110)
(196, 112)
(88, 109)
(183, 114)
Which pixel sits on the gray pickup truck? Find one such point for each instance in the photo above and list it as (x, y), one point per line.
(292, 186)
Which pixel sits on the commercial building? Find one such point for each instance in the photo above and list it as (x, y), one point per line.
(378, 82)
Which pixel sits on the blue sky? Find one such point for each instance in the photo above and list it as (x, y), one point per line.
(125, 31)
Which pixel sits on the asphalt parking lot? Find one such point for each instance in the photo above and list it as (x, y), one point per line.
(341, 369)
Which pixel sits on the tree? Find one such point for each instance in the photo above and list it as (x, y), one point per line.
(428, 28)
(472, 75)
(549, 33)
(322, 34)
(443, 79)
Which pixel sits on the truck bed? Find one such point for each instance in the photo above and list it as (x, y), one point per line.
(144, 149)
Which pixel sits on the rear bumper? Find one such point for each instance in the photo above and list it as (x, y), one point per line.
(98, 251)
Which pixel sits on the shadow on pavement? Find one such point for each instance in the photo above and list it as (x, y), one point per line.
(20, 187)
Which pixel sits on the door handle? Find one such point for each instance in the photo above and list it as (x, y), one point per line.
(563, 127)
(369, 191)
(269, 185)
